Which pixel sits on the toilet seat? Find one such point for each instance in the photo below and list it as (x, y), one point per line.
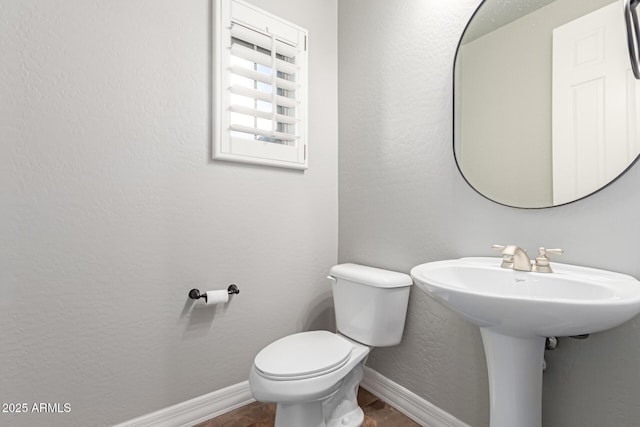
(303, 355)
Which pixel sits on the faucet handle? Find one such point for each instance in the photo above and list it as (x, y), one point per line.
(544, 251)
(542, 264)
(507, 259)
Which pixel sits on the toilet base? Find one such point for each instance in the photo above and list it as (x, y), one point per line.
(311, 415)
(342, 408)
(307, 414)
(354, 418)
(338, 410)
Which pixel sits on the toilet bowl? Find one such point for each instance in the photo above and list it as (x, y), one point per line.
(304, 370)
(314, 376)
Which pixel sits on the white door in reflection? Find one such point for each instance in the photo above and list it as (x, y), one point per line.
(594, 130)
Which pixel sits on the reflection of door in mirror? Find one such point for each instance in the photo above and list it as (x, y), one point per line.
(594, 104)
(503, 124)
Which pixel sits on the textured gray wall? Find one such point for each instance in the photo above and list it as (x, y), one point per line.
(403, 202)
(111, 210)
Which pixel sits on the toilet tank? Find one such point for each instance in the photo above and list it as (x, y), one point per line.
(370, 303)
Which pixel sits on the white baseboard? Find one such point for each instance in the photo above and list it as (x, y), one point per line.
(413, 406)
(196, 410)
(220, 402)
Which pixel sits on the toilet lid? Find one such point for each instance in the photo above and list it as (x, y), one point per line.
(303, 355)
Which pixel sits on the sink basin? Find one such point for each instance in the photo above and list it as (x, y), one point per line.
(517, 310)
(570, 301)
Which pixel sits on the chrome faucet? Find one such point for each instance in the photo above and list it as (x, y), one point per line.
(514, 257)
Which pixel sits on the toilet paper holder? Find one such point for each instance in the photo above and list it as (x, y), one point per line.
(196, 294)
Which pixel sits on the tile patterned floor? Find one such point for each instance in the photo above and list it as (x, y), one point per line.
(376, 413)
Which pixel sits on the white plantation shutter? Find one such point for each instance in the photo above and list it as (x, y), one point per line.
(261, 91)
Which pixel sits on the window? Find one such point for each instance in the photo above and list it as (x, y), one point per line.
(259, 88)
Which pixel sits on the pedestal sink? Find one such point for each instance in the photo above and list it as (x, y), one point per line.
(517, 310)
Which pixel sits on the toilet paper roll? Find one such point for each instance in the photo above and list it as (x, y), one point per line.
(217, 297)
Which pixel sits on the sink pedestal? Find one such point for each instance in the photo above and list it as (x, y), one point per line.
(515, 378)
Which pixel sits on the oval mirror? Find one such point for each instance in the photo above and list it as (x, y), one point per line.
(545, 101)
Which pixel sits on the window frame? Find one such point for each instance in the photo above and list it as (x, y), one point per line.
(256, 151)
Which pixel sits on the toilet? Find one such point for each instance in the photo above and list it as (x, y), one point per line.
(314, 376)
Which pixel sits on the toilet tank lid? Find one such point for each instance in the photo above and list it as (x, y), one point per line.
(371, 276)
